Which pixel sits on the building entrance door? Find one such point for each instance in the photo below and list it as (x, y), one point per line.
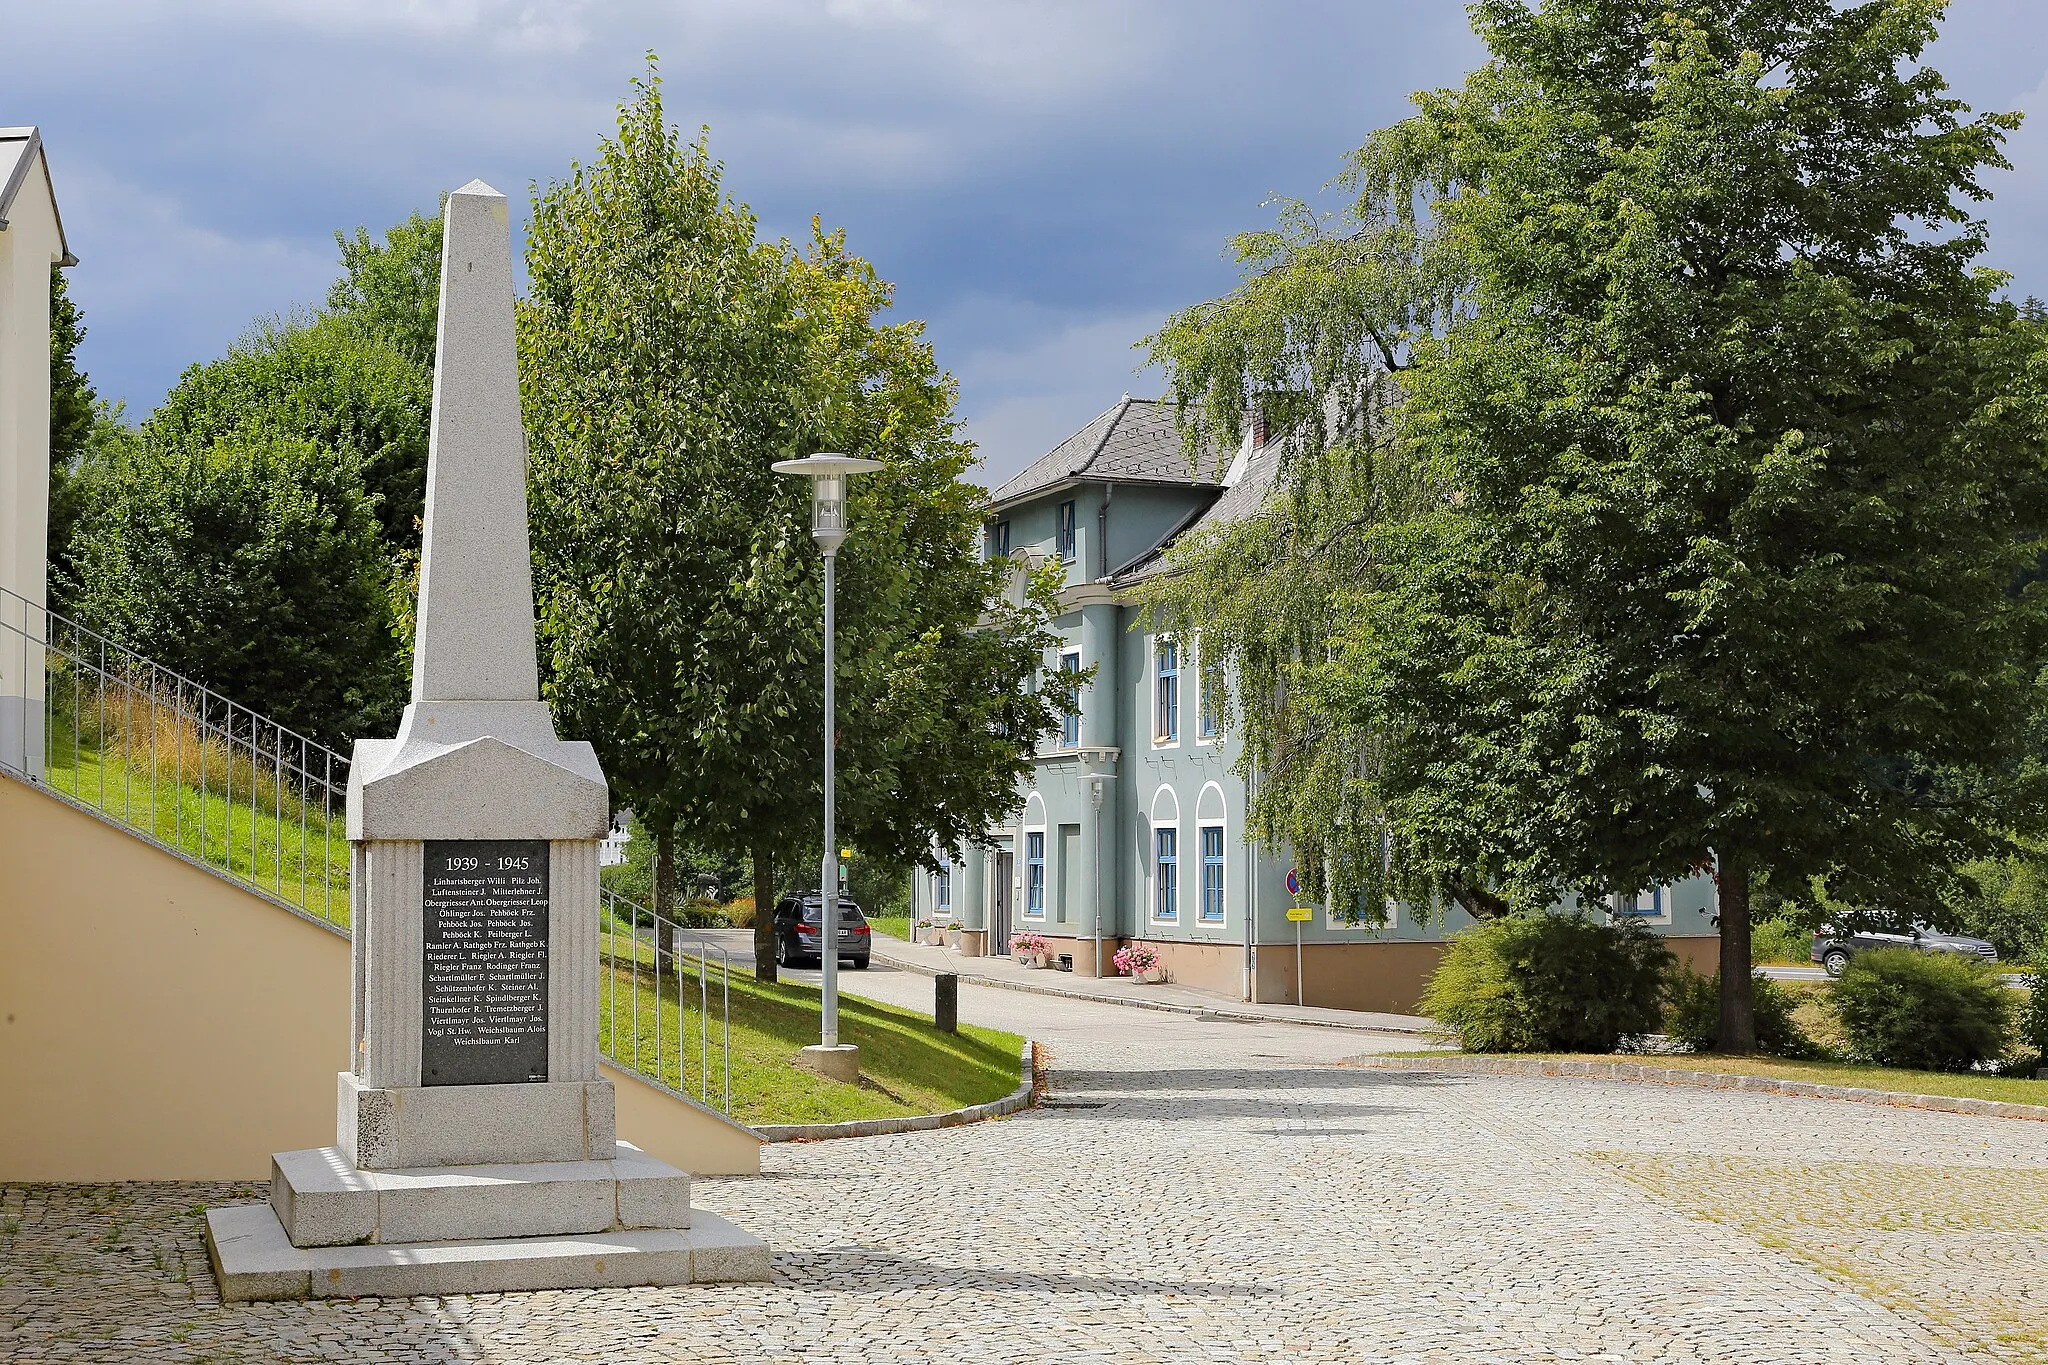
(999, 905)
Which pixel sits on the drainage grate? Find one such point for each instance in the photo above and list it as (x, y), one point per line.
(1074, 1104)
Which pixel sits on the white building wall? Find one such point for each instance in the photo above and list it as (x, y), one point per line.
(31, 244)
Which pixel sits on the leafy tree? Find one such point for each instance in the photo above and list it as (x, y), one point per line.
(1678, 468)
(74, 411)
(252, 564)
(392, 290)
(324, 381)
(2005, 902)
(667, 358)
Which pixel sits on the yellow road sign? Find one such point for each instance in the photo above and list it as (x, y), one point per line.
(1301, 914)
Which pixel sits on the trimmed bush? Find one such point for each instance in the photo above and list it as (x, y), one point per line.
(1692, 1015)
(1930, 1011)
(1549, 983)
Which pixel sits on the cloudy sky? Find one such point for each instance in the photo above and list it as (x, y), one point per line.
(1043, 179)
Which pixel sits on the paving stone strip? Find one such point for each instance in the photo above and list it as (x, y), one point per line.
(1711, 1080)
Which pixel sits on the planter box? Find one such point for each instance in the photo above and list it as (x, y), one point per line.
(1152, 976)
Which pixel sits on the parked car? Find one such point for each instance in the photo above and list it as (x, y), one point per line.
(796, 931)
(1834, 945)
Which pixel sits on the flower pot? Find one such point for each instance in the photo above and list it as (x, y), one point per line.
(1152, 976)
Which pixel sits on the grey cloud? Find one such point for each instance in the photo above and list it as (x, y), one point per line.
(1043, 180)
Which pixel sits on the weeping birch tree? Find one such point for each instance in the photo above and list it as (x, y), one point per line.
(1666, 477)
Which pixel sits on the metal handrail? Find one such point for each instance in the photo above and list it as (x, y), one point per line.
(151, 739)
(647, 1000)
(182, 766)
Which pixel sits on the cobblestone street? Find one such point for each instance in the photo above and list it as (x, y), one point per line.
(1210, 1192)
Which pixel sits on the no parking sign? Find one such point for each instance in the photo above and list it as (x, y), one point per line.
(1294, 881)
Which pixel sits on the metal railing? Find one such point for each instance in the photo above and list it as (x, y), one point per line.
(173, 760)
(263, 806)
(645, 993)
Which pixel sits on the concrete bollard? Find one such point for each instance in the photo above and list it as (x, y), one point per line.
(946, 1001)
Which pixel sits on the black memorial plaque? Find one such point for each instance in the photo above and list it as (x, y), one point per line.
(484, 978)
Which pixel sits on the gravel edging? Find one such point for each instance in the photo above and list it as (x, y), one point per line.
(1708, 1080)
(1204, 1012)
(913, 1123)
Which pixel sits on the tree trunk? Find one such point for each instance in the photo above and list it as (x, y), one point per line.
(1738, 1016)
(764, 913)
(1477, 901)
(664, 870)
(664, 895)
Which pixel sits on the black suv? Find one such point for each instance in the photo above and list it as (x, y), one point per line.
(796, 931)
(1834, 945)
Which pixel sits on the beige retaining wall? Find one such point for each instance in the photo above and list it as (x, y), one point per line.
(159, 1023)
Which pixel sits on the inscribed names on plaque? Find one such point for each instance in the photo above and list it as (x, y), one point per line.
(484, 978)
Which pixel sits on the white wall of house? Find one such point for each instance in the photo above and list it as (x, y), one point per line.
(31, 243)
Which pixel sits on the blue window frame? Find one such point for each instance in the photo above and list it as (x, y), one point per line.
(942, 886)
(1212, 874)
(1070, 727)
(1066, 532)
(1034, 875)
(1166, 704)
(1211, 719)
(999, 540)
(1640, 904)
(1166, 889)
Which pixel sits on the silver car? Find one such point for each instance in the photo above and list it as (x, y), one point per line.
(1834, 945)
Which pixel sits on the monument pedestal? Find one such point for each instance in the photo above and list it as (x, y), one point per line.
(476, 1145)
(333, 1230)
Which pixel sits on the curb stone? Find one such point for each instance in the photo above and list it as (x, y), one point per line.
(1709, 1080)
(1205, 1013)
(914, 1123)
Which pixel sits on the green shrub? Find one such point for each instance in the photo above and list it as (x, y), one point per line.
(1549, 983)
(1931, 1011)
(1692, 1015)
(1777, 940)
(2033, 1016)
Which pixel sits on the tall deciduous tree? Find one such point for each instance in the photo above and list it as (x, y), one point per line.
(667, 358)
(324, 381)
(74, 411)
(253, 565)
(1693, 527)
(391, 290)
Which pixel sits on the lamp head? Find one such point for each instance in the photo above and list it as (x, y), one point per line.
(828, 473)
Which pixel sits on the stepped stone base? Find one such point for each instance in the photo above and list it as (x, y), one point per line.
(400, 1127)
(323, 1200)
(255, 1262)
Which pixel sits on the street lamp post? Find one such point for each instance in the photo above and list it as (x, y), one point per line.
(828, 474)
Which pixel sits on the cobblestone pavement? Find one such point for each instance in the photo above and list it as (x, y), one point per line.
(1212, 1193)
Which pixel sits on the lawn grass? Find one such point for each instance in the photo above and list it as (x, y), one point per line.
(1965, 1085)
(907, 1066)
(293, 850)
(895, 926)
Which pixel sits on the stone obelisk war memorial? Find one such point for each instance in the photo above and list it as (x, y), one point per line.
(475, 1148)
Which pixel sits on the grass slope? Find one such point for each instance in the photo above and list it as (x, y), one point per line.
(907, 1066)
(296, 852)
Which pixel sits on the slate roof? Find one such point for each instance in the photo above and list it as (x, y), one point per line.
(1241, 499)
(18, 148)
(1133, 442)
